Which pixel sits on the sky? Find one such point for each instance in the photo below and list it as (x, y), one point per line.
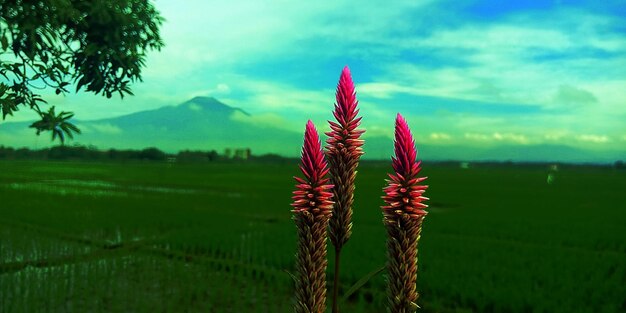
(461, 72)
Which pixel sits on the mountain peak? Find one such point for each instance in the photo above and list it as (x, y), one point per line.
(205, 102)
(201, 103)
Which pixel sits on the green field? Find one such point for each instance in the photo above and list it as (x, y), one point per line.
(153, 237)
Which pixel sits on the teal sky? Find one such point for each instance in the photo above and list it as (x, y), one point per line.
(462, 72)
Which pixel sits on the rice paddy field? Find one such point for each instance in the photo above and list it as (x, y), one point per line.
(217, 237)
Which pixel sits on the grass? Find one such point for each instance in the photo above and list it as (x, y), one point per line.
(140, 237)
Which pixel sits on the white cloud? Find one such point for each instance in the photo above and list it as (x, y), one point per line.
(378, 131)
(501, 61)
(440, 136)
(498, 137)
(517, 138)
(279, 97)
(220, 90)
(380, 90)
(554, 135)
(219, 35)
(593, 138)
(499, 38)
(531, 59)
(476, 136)
(271, 120)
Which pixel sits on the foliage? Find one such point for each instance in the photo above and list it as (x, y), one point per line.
(58, 124)
(100, 46)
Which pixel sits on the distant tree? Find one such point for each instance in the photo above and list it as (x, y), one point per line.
(212, 155)
(196, 156)
(271, 158)
(23, 153)
(6, 152)
(99, 45)
(152, 154)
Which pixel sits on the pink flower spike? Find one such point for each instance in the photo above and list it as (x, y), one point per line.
(312, 209)
(405, 152)
(346, 96)
(398, 195)
(314, 168)
(343, 149)
(344, 131)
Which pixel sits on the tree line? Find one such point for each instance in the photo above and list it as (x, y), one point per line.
(79, 152)
(92, 153)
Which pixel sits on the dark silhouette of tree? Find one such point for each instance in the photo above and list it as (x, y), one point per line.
(151, 154)
(100, 46)
(58, 124)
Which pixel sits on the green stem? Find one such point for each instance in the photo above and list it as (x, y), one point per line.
(336, 282)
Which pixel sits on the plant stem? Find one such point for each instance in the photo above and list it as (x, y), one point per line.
(336, 281)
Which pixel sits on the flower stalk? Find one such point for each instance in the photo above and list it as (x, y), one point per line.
(312, 209)
(343, 151)
(403, 215)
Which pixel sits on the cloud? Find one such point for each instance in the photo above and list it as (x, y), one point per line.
(266, 96)
(520, 59)
(223, 34)
(498, 137)
(219, 91)
(593, 138)
(513, 78)
(572, 96)
(555, 135)
(381, 90)
(440, 136)
(476, 136)
(506, 37)
(270, 120)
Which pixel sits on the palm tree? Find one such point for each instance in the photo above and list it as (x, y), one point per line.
(58, 124)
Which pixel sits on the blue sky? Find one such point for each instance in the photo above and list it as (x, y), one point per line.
(462, 72)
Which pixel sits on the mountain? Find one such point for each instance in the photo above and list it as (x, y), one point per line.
(204, 123)
(201, 123)
(382, 147)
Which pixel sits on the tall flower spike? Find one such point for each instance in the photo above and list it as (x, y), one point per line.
(343, 150)
(403, 216)
(312, 210)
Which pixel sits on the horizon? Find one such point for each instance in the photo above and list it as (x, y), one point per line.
(479, 74)
(272, 157)
(104, 134)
